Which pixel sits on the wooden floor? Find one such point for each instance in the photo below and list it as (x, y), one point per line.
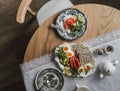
(15, 37)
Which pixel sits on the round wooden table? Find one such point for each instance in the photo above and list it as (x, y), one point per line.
(101, 19)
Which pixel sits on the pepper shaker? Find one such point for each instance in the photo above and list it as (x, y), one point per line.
(99, 51)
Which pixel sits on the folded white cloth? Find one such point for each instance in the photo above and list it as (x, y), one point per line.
(109, 83)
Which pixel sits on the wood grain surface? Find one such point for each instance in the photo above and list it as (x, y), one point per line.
(101, 19)
(14, 39)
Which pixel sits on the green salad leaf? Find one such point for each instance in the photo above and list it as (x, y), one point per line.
(63, 59)
(77, 26)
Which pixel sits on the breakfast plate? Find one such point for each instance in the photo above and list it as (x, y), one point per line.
(49, 79)
(75, 59)
(72, 24)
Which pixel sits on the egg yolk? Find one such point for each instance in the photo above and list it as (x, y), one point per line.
(65, 48)
(69, 54)
(88, 67)
(81, 70)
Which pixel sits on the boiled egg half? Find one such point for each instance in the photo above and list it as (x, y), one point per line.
(66, 48)
(88, 67)
(70, 54)
(81, 71)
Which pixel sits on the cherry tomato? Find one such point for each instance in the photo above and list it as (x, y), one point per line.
(75, 62)
(69, 22)
(71, 63)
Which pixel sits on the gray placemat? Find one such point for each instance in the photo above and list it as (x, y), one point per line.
(111, 83)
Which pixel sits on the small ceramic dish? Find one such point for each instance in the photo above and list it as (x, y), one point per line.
(49, 79)
(108, 49)
(72, 24)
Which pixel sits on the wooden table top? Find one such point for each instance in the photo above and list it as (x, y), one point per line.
(101, 19)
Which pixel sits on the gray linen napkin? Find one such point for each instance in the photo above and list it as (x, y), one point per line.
(111, 83)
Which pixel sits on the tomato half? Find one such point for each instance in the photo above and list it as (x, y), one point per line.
(69, 22)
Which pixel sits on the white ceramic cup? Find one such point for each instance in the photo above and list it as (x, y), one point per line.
(82, 88)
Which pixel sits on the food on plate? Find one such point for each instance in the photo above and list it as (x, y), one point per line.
(75, 59)
(73, 23)
(69, 22)
(75, 62)
(67, 71)
(65, 48)
(88, 67)
(70, 54)
(80, 70)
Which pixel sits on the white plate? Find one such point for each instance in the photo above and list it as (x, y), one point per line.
(62, 66)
